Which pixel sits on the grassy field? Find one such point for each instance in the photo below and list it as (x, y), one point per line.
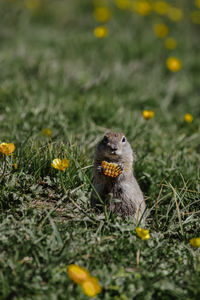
(56, 74)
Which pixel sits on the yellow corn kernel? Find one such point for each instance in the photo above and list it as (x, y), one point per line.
(111, 169)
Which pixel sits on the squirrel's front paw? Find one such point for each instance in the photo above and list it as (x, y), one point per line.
(121, 167)
(100, 169)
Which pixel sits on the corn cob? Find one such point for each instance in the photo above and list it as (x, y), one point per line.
(111, 169)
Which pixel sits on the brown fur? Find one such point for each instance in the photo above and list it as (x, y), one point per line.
(116, 149)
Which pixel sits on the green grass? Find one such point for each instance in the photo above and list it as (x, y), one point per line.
(55, 74)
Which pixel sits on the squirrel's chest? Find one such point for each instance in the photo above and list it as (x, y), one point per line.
(117, 189)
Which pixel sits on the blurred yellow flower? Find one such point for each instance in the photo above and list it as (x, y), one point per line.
(46, 131)
(143, 233)
(195, 242)
(32, 5)
(59, 164)
(161, 7)
(7, 148)
(173, 64)
(195, 16)
(188, 118)
(102, 14)
(123, 4)
(101, 31)
(15, 166)
(91, 287)
(161, 30)
(143, 8)
(197, 2)
(170, 43)
(175, 14)
(78, 274)
(148, 114)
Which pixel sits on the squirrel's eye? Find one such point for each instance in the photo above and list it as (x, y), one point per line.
(105, 139)
(123, 139)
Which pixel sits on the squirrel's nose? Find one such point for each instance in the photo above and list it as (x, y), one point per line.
(113, 147)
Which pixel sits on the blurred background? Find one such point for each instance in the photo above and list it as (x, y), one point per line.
(83, 66)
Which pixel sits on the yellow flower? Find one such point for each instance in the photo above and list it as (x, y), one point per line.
(46, 131)
(102, 14)
(173, 64)
(161, 30)
(101, 31)
(195, 16)
(143, 233)
(161, 7)
(175, 14)
(15, 166)
(123, 4)
(91, 287)
(78, 274)
(188, 118)
(195, 242)
(32, 5)
(148, 114)
(59, 164)
(170, 43)
(143, 8)
(197, 2)
(7, 148)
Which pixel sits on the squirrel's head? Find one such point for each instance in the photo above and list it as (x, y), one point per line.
(115, 147)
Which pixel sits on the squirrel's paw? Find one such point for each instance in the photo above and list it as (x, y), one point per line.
(121, 167)
(100, 169)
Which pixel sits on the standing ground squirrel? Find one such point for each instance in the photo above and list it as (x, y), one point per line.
(113, 175)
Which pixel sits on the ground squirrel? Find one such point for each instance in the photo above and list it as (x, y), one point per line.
(113, 175)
